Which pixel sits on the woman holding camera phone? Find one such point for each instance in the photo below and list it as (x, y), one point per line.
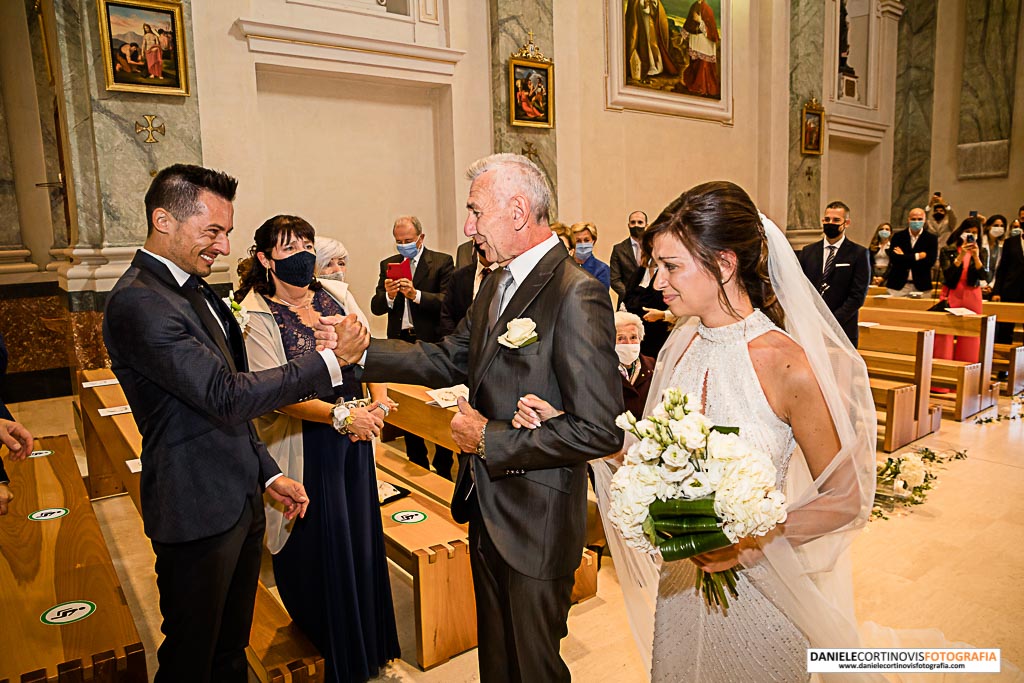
(961, 287)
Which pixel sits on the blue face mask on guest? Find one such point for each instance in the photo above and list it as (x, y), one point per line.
(407, 250)
(584, 250)
(883, 234)
(917, 226)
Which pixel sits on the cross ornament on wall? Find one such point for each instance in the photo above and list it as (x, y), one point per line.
(149, 128)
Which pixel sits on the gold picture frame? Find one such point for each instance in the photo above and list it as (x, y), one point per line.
(144, 47)
(531, 87)
(812, 128)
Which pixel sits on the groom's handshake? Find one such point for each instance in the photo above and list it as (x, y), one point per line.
(346, 336)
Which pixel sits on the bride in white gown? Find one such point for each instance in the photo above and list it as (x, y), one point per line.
(802, 395)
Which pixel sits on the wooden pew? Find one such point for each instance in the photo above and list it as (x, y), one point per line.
(1008, 358)
(431, 422)
(878, 343)
(278, 651)
(59, 560)
(975, 390)
(397, 469)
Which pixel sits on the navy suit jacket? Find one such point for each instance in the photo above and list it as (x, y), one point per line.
(431, 279)
(907, 267)
(848, 286)
(201, 457)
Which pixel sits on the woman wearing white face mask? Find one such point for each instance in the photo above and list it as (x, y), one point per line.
(635, 369)
(879, 249)
(992, 240)
(331, 259)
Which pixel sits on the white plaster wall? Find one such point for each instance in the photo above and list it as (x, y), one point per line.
(987, 195)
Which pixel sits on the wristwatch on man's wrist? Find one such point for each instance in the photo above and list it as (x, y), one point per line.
(341, 416)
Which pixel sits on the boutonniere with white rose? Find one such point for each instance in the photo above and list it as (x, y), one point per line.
(521, 332)
(240, 312)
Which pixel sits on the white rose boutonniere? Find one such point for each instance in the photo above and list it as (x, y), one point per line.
(240, 312)
(521, 332)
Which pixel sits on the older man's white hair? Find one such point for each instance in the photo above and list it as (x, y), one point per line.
(515, 174)
(623, 318)
(328, 249)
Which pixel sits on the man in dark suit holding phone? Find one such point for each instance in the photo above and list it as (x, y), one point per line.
(839, 269)
(410, 291)
(523, 491)
(179, 355)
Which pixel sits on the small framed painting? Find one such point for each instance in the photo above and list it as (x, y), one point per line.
(531, 97)
(143, 46)
(812, 127)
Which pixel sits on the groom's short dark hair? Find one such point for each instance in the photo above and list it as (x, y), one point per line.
(176, 189)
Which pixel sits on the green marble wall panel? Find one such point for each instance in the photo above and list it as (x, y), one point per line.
(806, 46)
(511, 20)
(112, 165)
(915, 96)
(987, 88)
(10, 226)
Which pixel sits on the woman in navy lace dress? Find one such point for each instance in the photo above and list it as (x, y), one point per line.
(330, 566)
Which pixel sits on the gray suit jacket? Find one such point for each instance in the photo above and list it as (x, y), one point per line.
(532, 487)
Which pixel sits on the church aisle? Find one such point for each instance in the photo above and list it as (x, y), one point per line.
(951, 564)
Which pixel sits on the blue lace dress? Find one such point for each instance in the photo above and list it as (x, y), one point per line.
(332, 573)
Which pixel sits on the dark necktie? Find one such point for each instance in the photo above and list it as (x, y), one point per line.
(220, 326)
(830, 264)
(494, 309)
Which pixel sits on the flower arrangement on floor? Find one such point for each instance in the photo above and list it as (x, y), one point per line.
(905, 480)
(688, 487)
(1016, 408)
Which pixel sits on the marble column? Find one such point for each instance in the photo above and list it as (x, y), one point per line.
(47, 102)
(806, 64)
(13, 254)
(110, 166)
(915, 95)
(987, 88)
(511, 20)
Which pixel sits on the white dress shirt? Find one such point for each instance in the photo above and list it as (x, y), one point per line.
(825, 248)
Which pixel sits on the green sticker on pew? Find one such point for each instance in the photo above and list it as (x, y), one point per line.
(409, 516)
(46, 514)
(40, 454)
(67, 612)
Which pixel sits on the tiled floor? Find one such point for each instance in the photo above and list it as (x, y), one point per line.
(955, 564)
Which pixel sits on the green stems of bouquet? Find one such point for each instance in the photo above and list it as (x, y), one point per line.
(682, 529)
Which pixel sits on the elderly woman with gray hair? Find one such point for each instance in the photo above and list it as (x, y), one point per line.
(331, 259)
(635, 369)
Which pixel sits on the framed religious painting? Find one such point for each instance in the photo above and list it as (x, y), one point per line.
(531, 88)
(143, 46)
(812, 127)
(671, 57)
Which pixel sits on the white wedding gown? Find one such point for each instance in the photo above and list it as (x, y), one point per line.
(753, 640)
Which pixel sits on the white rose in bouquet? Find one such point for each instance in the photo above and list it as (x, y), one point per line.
(691, 431)
(912, 471)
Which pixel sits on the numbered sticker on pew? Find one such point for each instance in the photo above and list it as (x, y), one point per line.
(46, 514)
(67, 612)
(409, 516)
(40, 454)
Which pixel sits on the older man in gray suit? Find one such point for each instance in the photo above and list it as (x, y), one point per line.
(523, 491)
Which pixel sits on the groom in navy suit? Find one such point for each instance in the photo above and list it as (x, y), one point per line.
(179, 355)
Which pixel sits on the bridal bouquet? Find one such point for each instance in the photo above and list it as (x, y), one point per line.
(688, 487)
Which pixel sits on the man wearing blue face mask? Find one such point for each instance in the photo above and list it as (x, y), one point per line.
(413, 307)
(585, 235)
(912, 255)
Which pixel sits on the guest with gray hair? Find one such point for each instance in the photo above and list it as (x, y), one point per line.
(635, 369)
(331, 259)
(522, 483)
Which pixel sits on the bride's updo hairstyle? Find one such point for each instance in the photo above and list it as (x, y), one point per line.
(713, 218)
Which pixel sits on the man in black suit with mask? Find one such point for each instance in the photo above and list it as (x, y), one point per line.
(839, 269)
(912, 255)
(627, 255)
(179, 355)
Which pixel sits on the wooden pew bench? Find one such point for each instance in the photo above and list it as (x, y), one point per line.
(58, 570)
(879, 344)
(1008, 358)
(974, 388)
(397, 469)
(278, 651)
